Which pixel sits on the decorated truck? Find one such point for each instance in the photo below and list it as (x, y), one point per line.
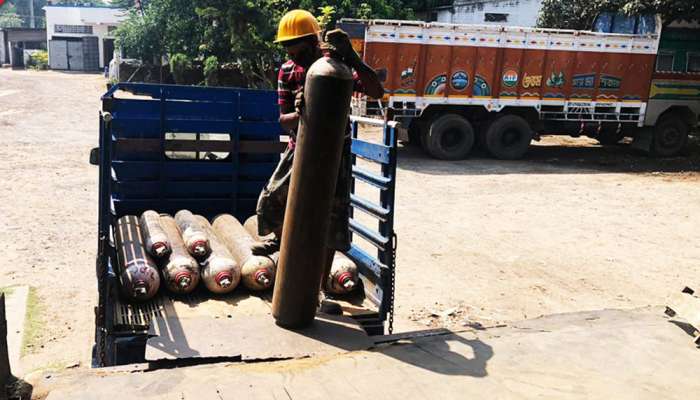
(456, 86)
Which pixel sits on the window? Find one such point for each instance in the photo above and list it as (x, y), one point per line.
(646, 24)
(664, 61)
(693, 64)
(72, 29)
(623, 24)
(494, 17)
(603, 22)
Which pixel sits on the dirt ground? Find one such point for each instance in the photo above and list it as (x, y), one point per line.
(571, 227)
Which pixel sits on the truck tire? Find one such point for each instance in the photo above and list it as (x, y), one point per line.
(508, 137)
(415, 130)
(450, 137)
(610, 134)
(670, 136)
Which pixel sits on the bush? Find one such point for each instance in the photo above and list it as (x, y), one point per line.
(39, 60)
(211, 71)
(179, 64)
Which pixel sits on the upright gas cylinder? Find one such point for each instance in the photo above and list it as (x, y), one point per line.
(220, 271)
(257, 272)
(303, 255)
(138, 274)
(180, 269)
(343, 276)
(193, 235)
(157, 243)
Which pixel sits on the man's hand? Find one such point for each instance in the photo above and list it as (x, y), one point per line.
(339, 42)
(299, 100)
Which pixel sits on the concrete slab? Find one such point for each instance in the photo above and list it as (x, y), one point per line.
(633, 354)
(16, 309)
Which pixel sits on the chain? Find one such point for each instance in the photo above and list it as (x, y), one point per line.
(392, 289)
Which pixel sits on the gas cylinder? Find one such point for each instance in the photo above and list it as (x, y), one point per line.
(138, 274)
(220, 271)
(257, 272)
(320, 137)
(156, 240)
(193, 235)
(343, 276)
(180, 269)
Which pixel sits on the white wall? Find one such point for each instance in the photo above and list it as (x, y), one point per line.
(520, 12)
(100, 18)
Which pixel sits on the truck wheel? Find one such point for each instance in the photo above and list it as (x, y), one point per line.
(508, 137)
(610, 134)
(415, 130)
(670, 136)
(450, 137)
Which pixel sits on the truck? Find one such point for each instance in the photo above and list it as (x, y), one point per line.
(211, 151)
(455, 86)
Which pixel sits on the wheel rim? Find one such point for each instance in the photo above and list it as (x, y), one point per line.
(451, 139)
(670, 137)
(510, 137)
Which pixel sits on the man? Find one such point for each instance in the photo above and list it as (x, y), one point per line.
(299, 32)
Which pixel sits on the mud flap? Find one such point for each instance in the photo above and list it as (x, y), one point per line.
(643, 140)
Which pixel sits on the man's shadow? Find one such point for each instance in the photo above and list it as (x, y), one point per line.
(443, 351)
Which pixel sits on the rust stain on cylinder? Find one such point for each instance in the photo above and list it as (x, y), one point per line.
(193, 235)
(156, 240)
(220, 271)
(257, 272)
(138, 274)
(320, 137)
(180, 269)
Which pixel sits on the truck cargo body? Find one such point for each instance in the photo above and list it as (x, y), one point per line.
(231, 148)
(556, 81)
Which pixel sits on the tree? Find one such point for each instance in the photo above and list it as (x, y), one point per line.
(9, 17)
(579, 14)
(239, 33)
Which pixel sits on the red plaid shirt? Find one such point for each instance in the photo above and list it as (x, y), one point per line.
(291, 78)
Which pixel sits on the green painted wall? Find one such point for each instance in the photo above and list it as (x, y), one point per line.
(680, 41)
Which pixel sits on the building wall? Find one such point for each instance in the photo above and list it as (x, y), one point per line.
(519, 12)
(99, 18)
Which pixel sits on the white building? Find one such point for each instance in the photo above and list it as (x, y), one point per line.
(81, 37)
(497, 12)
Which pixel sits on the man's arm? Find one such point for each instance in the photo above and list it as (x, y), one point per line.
(370, 81)
(289, 117)
(338, 41)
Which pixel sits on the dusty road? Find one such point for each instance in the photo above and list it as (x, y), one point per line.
(572, 227)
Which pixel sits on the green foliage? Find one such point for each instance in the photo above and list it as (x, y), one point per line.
(239, 33)
(179, 64)
(326, 16)
(9, 17)
(39, 60)
(211, 71)
(579, 14)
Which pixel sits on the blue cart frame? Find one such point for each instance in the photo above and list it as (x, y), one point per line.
(136, 174)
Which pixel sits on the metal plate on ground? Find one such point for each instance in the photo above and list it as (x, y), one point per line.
(252, 337)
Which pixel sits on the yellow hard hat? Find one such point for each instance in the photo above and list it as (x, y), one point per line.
(296, 24)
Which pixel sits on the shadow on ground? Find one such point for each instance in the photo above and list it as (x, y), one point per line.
(444, 352)
(554, 159)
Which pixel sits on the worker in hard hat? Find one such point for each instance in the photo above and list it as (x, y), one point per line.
(298, 33)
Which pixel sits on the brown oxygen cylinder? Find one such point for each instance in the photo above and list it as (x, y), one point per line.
(343, 276)
(138, 274)
(193, 235)
(220, 271)
(303, 254)
(180, 269)
(153, 234)
(257, 272)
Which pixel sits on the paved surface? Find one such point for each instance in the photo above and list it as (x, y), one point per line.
(611, 354)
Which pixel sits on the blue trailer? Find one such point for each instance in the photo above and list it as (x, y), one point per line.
(211, 150)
